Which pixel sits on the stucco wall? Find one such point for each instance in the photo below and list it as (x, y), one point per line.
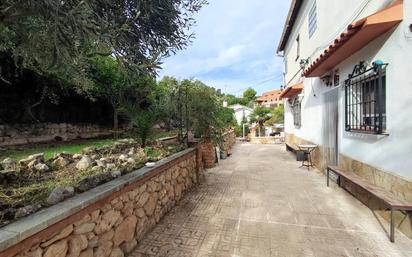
(386, 152)
(108, 220)
(333, 16)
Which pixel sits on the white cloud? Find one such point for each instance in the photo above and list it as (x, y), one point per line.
(235, 45)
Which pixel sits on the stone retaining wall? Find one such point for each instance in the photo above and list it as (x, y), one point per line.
(107, 221)
(47, 132)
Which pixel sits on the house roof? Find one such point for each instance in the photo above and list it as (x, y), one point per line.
(292, 90)
(269, 96)
(356, 36)
(236, 107)
(290, 22)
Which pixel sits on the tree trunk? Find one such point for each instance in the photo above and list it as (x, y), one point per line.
(115, 121)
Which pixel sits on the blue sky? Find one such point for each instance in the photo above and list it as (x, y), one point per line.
(235, 46)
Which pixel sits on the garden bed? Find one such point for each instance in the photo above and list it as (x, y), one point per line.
(35, 182)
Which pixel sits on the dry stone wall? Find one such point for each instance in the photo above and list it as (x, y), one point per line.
(113, 226)
(47, 132)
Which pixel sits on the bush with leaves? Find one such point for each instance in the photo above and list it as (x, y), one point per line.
(277, 116)
(194, 106)
(144, 106)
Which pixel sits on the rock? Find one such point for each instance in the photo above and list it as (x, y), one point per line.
(85, 219)
(84, 228)
(94, 157)
(62, 234)
(87, 253)
(59, 194)
(132, 151)
(140, 213)
(94, 181)
(129, 246)
(65, 155)
(31, 164)
(8, 164)
(89, 150)
(118, 206)
(125, 231)
(142, 188)
(41, 167)
(105, 237)
(58, 249)
(26, 210)
(95, 215)
(153, 186)
(38, 252)
(127, 210)
(77, 156)
(97, 169)
(130, 161)
(107, 222)
(77, 243)
(9, 213)
(143, 199)
(103, 250)
(178, 191)
(84, 163)
(110, 166)
(8, 177)
(116, 252)
(116, 173)
(141, 228)
(93, 242)
(61, 162)
(100, 163)
(37, 158)
(123, 157)
(150, 205)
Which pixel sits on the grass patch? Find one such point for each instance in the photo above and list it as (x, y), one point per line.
(51, 149)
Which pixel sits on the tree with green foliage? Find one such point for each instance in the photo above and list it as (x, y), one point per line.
(193, 106)
(249, 94)
(260, 114)
(109, 83)
(144, 106)
(277, 116)
(60, 37)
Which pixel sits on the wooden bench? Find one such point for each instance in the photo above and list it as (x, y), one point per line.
(291, 147)
(389, 200)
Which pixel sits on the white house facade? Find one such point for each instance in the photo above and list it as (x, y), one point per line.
(241, 112)
(349, 86)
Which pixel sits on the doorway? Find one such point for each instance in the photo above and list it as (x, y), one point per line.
(330, 126)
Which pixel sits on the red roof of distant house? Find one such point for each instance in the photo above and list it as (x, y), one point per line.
(357, 35)
(292, 91)
(273, 95)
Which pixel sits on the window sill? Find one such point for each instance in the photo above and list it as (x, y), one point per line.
(366, 132)
(364, 135)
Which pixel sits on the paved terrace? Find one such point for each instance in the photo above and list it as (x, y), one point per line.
(259, 203)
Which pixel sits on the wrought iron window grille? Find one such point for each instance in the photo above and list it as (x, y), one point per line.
(295, 105)
(365, 99)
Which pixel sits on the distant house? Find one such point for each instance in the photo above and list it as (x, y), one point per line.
(270, 99)
(241, 112)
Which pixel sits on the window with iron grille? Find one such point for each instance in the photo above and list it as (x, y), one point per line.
(312, 20)
(365, 100)
(296, 111)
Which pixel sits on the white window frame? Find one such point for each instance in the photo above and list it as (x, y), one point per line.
(312, 19)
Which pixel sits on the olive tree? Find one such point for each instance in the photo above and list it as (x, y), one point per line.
(59, 37)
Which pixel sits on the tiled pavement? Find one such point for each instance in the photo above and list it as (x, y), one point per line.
(258, 203)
